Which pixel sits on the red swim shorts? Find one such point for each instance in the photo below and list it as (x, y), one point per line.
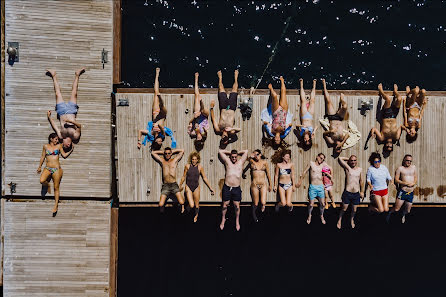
(380, 192)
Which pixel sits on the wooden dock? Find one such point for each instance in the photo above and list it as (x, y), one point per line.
(139, 175)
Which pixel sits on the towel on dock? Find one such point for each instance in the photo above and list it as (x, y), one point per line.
(267, 116)
(150, 138)
(353, 133)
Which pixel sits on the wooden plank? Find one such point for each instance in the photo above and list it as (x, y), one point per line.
(117, 41)
(68, 255)
(138, 171)
(113, 281)
(62, 35)
(2, 101)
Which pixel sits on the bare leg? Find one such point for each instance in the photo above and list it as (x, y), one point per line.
(342, 110)
(406, 210)
(197, 107)
(274, 101)
(255, 201)
(78, 73)
(196, 196)
(321, 209)
(156, 85)
(377, 204)
(385, 200)
(352, 218)
(388, 101)
(263, 194)
(57, 177)
(303, 101)
(395, 208)
(235, 85)
(156, 98)
(181, 201)
(329, 108)
(289, 193)
(221, 88)
(189, 196)
(397, 98)
(312, 98)
(421, 97)
(53, 75)
(46, 174)
(310, 210)
(224, 209)
(282, 197)
(237, 215)
(283, 102)
(341, 214)
(162, 202)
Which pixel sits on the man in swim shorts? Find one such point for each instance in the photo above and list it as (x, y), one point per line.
(228, 105)
(169, 167)
(354, 187)
(405, 178)
(231, 189)
(390, 132)
(316, 189)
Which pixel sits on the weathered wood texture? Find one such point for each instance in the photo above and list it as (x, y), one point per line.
(62, 35)
(114, 217)
(63, 256)
(2, 101)
(137, 171)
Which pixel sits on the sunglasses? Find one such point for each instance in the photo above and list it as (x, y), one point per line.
(353, 160)
(376, 162)
(408, 160)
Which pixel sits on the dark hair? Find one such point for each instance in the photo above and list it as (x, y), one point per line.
(155, 146)
(234, 152)
(411, 139)
(199, 144)
(374, 156)
(52, 136)
(285, 152)
(167, 149)
(407, 155)
(258, 151)
(321, 154)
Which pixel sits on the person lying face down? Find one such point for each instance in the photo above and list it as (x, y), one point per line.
(227, 105)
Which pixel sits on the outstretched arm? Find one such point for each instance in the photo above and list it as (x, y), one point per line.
(361, 185)
(53, 125)
(314, 132)
(206, 181)
(213, 119)
(140, 134)
(155, 155)
(42, 157)
(65, 154)
(183, 178)
(302, 176)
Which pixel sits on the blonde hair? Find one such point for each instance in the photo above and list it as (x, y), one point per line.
(194, 154)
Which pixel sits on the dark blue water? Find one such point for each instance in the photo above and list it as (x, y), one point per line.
(353, 44)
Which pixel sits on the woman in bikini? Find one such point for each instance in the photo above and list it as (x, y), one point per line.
(284, 180)
(414, 104)
(306, 130)
(279, 110)
(199, 125)
(259, 175)
(191, 175)
(52, 170)
(155, 129)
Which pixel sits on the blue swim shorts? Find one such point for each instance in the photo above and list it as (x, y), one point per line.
(66, 108)
(316, 191)
(405, 196)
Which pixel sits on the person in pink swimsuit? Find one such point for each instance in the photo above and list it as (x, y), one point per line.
(327, 179)
(280, 110)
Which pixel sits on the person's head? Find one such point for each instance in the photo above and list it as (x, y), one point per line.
(224, 137)
(194, 158)
(53, 138)
(233, 156)
(407, 160)
(277, 138)
(157, 143)
(199, 144)
(67, 144)
(286, 156)
(167, 153)
(307, 138)
(388, 146)
(411, 135)
(320, 158)
(352, 161)
(338, 148)
(257, 154)
(375, 160)
(412, 130)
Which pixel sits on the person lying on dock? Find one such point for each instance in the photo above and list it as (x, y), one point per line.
(156, 132)
(378, 179)
(225, 125)
(354, 188)
(199, 125)
(414, 106)
(231, 189)
(316, 188)
(335, 136)
(191, 175)
(284, 180)
(52, 170)
(406, 179)
(306, 127)
(70, 130)
(390, 132)
(169, 167)
(278, 128)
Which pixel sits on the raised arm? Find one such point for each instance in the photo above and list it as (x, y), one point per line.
(314, 132)
(140, 134)
(42, 158)
(155, 155)
(53, 125)
(77, 124)
(343, 162)
(244, 156)
(223, 155)
(213, 119)
(179, 152)
(376, 133)
(206, 181)
(65, 154)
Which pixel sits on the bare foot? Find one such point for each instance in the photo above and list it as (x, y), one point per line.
(338, 225)
(281, 79)
(403, 219)
(270, 86)
(407, 90)
(323, 220)
(139, 145)
(80, 71)
(182, 208)
(314, 83)
(380, 88)
(237, 226)
(324, 84)
(263, 208)
(54, 209)
(51, 72)
(222, 224)
(49, 188)
(333, 204)
(251, 91)
(157, 70)
(195, 218)
(353, 224)
(196, 74)
(212, 103)
(395, 90)
(309, 219)
(235, 74)
(301, 82)
(219, 74)
(342, 97)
